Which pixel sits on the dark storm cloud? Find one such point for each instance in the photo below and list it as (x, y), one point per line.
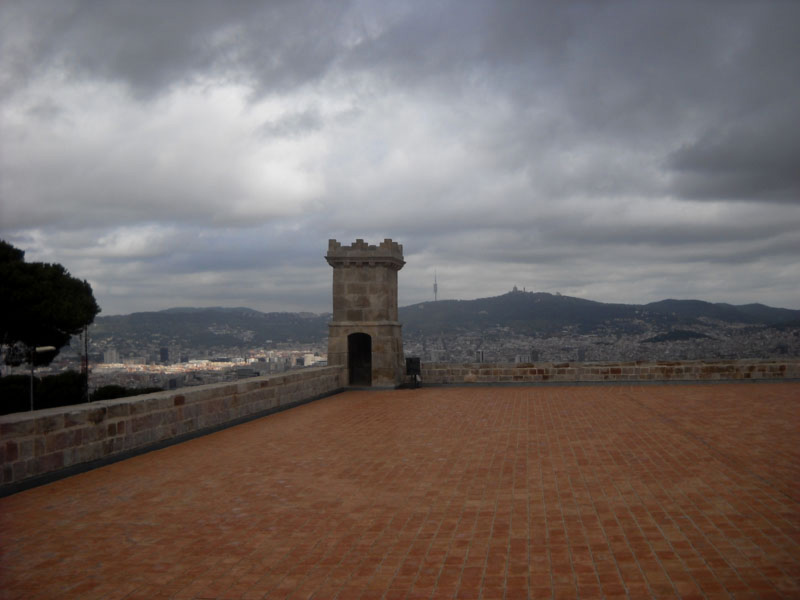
(742, 162)
(615, 150)
(735, 224)
(151, 46)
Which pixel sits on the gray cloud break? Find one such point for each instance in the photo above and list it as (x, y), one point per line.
(202, 153)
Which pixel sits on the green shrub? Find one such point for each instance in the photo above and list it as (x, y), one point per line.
(63, 389)
(15, 393)
(60, 390)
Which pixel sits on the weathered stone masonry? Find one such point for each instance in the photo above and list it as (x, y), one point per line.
(44, 441)
(35, 443)
(365, 304)
(739, 370)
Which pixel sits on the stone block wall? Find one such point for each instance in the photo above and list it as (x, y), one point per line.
(365, 301)
(388, 364)
(365, 280)
(365, 293)
(36, 443)
(736, 370)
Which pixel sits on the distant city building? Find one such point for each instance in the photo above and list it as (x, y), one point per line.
(164, 355)
(111, 356)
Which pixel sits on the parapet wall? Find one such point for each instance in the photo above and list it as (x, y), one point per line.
(738, 370)
(33, 444)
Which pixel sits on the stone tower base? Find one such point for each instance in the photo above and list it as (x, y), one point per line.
(388, 362)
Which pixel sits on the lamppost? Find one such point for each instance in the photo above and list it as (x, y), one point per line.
(34, 352)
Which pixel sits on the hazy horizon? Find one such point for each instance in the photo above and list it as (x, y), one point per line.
(401, 305)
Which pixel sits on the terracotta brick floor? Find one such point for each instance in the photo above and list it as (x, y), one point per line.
(668, 491)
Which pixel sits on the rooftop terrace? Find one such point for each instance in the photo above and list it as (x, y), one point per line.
(618, 491)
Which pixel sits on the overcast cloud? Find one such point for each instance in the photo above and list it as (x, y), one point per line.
(201, 153)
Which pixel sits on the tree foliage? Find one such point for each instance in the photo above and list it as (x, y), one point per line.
(41, 304)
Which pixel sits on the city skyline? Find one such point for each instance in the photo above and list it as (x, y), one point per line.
(202, 153)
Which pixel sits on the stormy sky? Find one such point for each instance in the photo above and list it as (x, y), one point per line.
(201, 153)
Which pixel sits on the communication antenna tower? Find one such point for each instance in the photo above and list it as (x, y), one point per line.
(435, 287)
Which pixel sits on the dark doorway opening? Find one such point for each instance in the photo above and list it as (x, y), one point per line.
(359, 358)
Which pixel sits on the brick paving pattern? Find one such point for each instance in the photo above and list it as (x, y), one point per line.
(671, 491)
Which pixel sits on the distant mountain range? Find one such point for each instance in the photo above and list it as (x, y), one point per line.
(542, 313)
(531, 313)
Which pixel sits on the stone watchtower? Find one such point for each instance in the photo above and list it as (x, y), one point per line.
(364, 334)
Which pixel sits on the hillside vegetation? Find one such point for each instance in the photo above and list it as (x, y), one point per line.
(529, 313)
(541, 313)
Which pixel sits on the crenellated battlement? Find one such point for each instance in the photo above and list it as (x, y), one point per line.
(360, 252)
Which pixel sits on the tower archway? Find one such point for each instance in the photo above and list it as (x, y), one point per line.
(359, 358)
